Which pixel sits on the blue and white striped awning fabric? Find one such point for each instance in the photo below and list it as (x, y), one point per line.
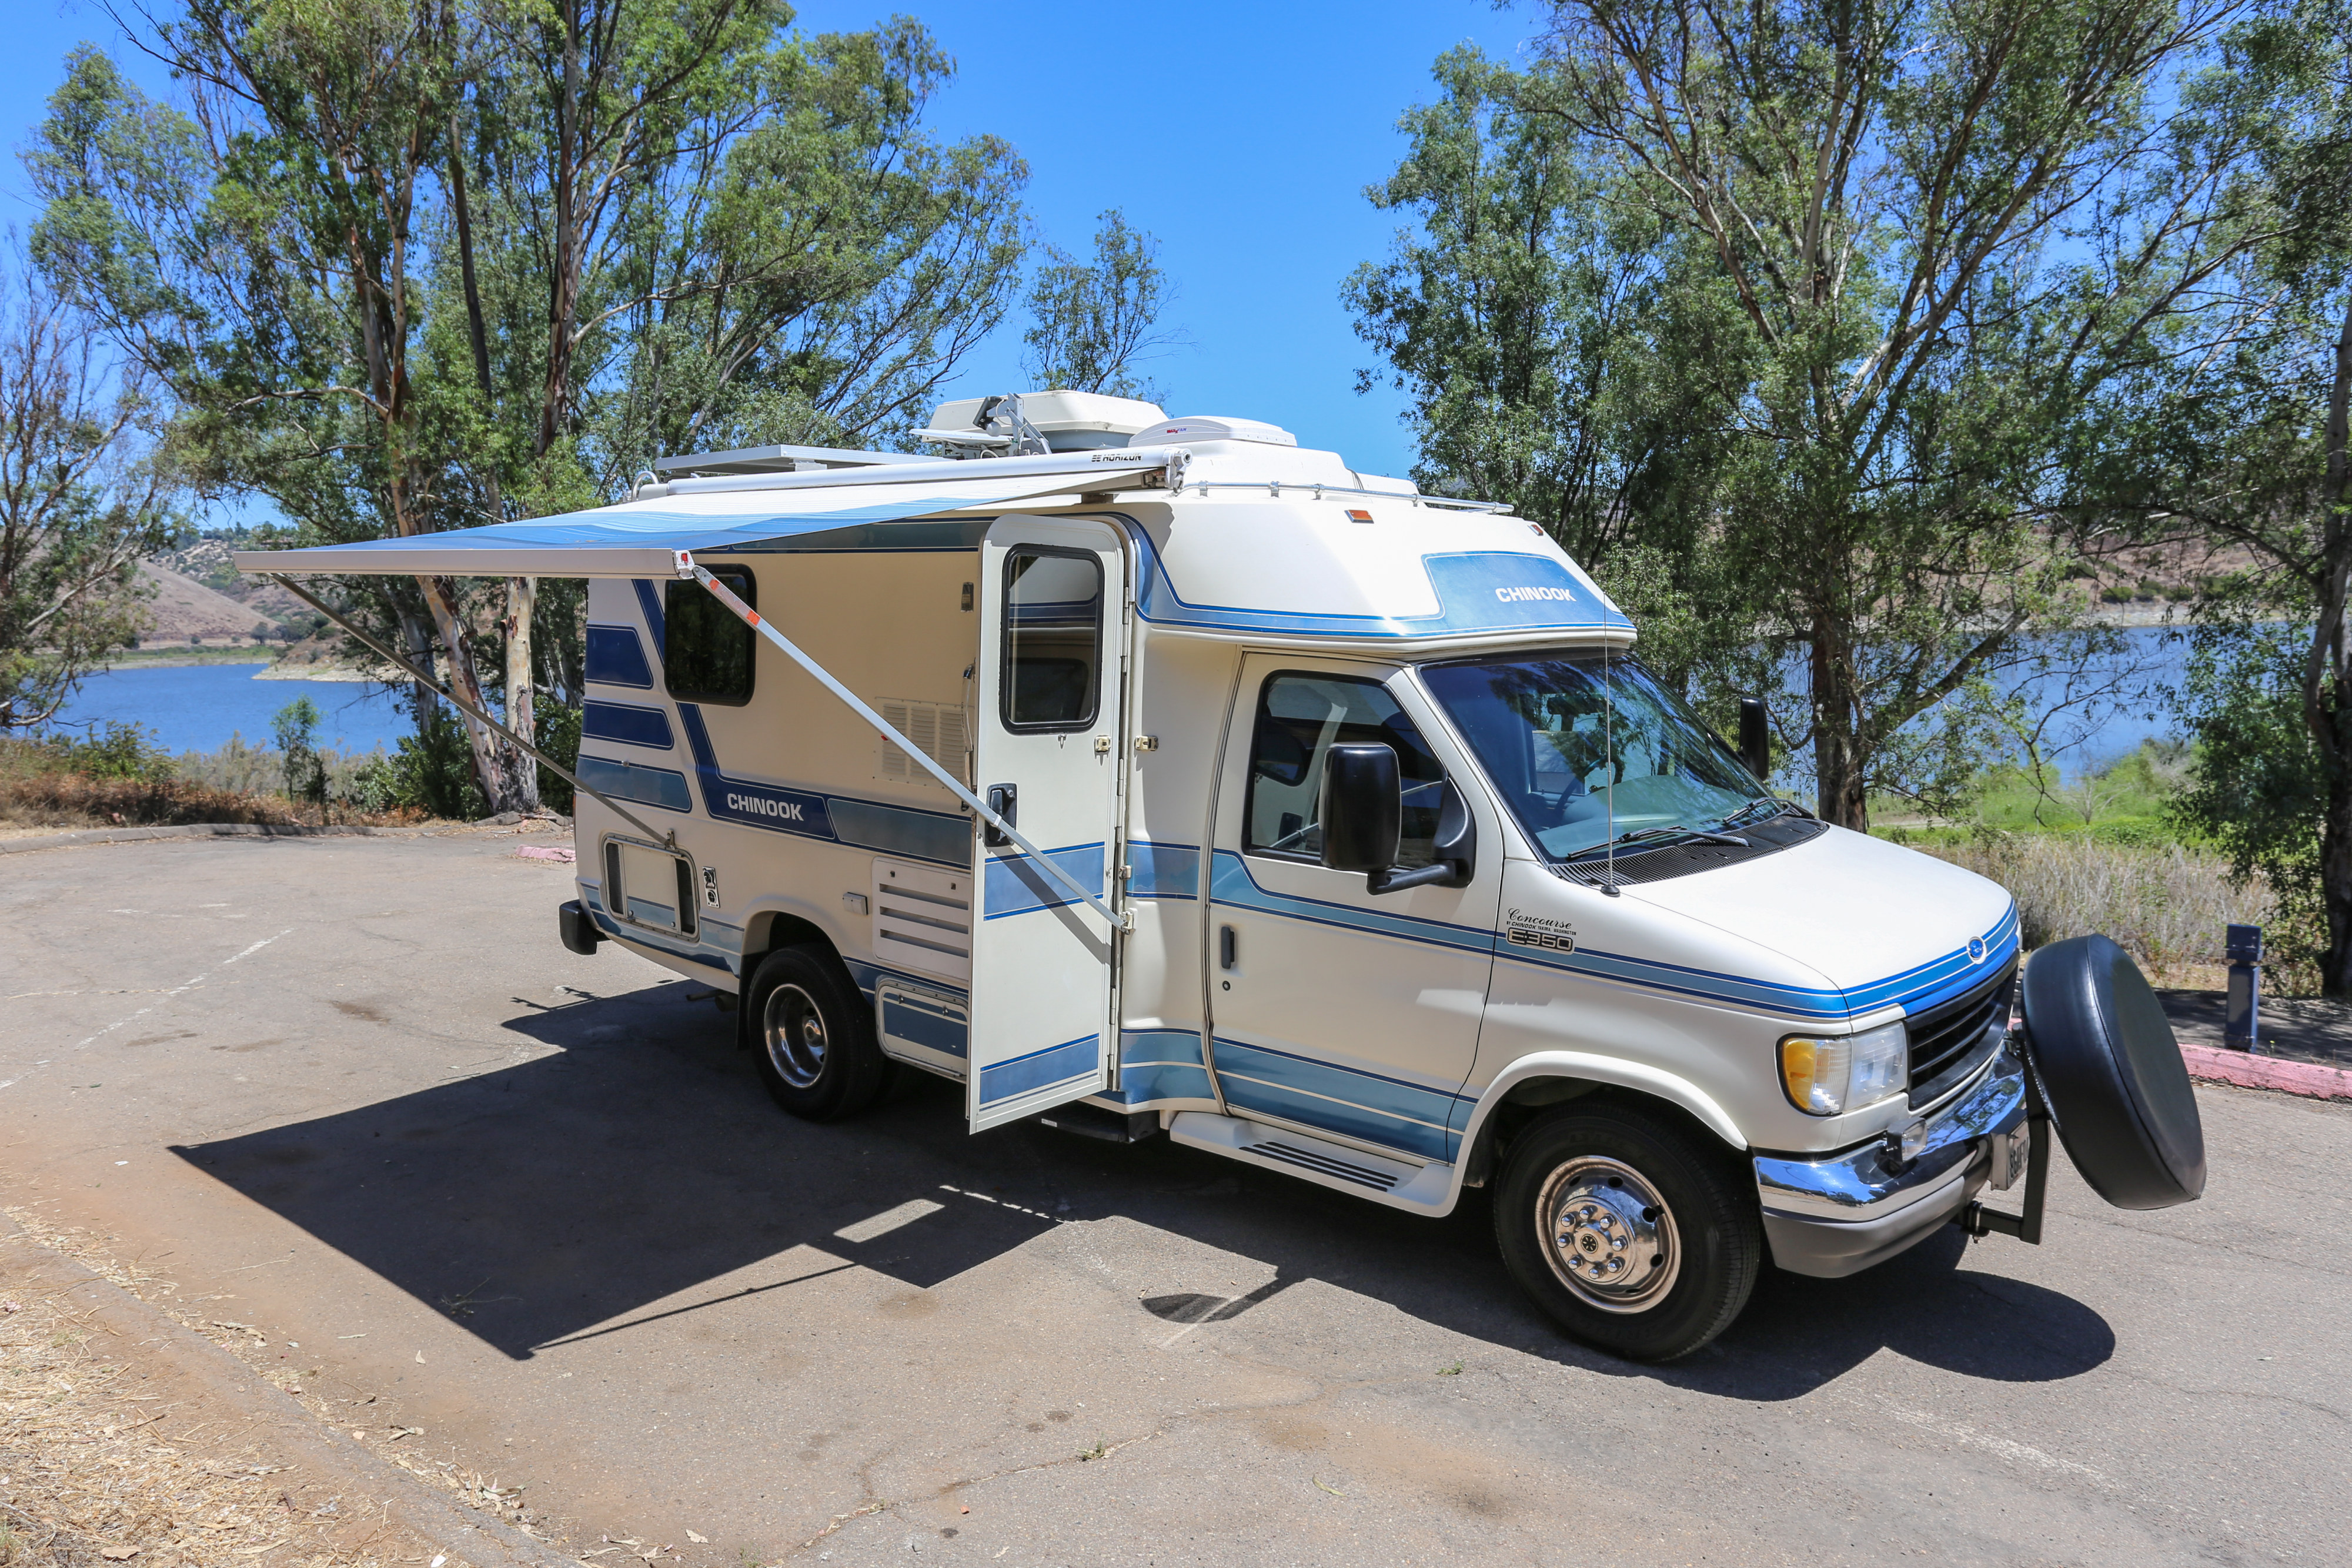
(643, 539)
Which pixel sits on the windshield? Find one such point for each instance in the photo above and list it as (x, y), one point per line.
(1544, 734)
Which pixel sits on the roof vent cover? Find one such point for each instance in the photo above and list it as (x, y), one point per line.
(1211, 427)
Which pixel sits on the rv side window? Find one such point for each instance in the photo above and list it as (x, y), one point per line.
(1300, 717)
(706, 650)
(1052, 638)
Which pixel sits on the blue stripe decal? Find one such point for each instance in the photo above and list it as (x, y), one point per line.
(1231, 882)
(1478, 590)
(1371, 1091)
(1324, 1107)
(1014, 886)
(629, 724)
(629, 781)
(869, 976)
(934, 836)
(1914, 989)
(614, 929)
(742, 800)
(926, 1024)
(649, 602)
(1055, 1065)
(1163, 871)
(617, 657)
(1150, 1082)
(1145, 1046)
(902, 831)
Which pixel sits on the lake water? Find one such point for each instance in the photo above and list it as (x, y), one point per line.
(196, 707)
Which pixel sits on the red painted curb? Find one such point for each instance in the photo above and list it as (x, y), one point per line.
(2249, 1072)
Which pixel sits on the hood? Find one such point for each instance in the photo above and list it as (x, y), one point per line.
(1887, 925)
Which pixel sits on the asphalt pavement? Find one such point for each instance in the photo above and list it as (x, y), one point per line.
(536, 1205)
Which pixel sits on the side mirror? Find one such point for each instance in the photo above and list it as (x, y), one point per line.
(1456, 850)
(1755, 739)
(1362, 807)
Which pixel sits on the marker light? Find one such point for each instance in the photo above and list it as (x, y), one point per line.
(1825, 1077)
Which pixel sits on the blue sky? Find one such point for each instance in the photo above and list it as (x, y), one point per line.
(1240, 135)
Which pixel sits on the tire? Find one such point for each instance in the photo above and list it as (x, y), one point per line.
(2110, 1070)
(811, 1035)
(1661, 1202)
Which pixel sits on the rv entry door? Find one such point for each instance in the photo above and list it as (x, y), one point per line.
(1050, 686)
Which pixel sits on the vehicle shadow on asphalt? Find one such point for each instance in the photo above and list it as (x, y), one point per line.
(608, 1183)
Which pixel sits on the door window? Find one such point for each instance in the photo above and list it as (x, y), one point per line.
(1052, 638)
(1300, 717)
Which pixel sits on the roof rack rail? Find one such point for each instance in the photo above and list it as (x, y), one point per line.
(778, 460)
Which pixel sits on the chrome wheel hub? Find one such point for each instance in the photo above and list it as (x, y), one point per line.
(792, 1028)
(1608, 1235)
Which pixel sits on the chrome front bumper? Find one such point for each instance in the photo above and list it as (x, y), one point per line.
(1841, 1214)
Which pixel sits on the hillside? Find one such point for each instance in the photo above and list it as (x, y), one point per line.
(183, 608)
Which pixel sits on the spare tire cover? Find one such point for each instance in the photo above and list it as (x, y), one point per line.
(2112, 1074)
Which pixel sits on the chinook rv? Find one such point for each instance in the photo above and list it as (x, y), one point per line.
(1161, 778)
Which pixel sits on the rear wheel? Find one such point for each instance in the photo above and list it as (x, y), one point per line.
(812, 1036)
(1632, 1234)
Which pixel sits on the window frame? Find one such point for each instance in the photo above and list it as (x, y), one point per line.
(1249, 762)
(742, 582)
(1005, 644)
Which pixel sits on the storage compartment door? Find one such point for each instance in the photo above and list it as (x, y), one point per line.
(1053, 656)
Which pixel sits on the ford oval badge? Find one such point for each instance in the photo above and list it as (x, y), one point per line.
(1976, 950)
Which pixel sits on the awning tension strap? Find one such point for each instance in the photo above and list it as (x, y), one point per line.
(749, 617)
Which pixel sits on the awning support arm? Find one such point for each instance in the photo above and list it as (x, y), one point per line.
(751, 617)
(429, 683)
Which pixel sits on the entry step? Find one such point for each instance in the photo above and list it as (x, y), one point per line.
(1427, 1188)
(1089, 1120)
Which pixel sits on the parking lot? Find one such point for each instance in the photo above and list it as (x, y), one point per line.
(539, 1207)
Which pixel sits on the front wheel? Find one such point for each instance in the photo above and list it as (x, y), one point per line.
(1632, 1234)
(813, 1040)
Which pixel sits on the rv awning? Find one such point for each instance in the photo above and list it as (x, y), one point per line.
(642, 538)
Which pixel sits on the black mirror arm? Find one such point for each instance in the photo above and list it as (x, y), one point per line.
(1456, 848)
(1438, 873)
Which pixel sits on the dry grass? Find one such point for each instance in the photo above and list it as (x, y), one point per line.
(388, 1436)
(73, 800)
(98, 1469)
(2166, 907)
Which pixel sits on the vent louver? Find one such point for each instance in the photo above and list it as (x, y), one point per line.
(922, 919)
(940, 731)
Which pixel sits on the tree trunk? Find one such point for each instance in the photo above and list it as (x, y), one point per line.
(2327, 681)
(520, 774)
(466, 683)
(522, 598)
(1840, 769)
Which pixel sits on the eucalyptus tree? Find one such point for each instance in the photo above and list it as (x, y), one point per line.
(418, 263)
(2234, 433)
(86, 492)
(1093, 322)
(1927, 235)
(258, 251)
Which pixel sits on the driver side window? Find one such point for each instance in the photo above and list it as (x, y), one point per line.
(1300, 716)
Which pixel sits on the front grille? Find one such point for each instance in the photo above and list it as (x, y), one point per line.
(1952, 1039)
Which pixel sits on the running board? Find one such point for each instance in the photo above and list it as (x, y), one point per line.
(1422, 1190)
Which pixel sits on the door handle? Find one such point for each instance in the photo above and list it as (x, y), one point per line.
(1004, 799)
(1227, 945)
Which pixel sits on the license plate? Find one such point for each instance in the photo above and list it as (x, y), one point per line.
(2008, 1151)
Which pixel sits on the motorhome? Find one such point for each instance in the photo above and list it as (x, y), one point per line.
(1163, 777)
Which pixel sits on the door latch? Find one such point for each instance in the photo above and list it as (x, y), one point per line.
(1004, 799)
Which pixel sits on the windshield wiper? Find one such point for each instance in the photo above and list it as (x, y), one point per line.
(1715, 837)
(1777, 804)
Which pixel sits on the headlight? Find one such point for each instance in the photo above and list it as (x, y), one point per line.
(1827, 1076)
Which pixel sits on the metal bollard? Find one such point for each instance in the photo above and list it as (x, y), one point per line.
(2241, 1026)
